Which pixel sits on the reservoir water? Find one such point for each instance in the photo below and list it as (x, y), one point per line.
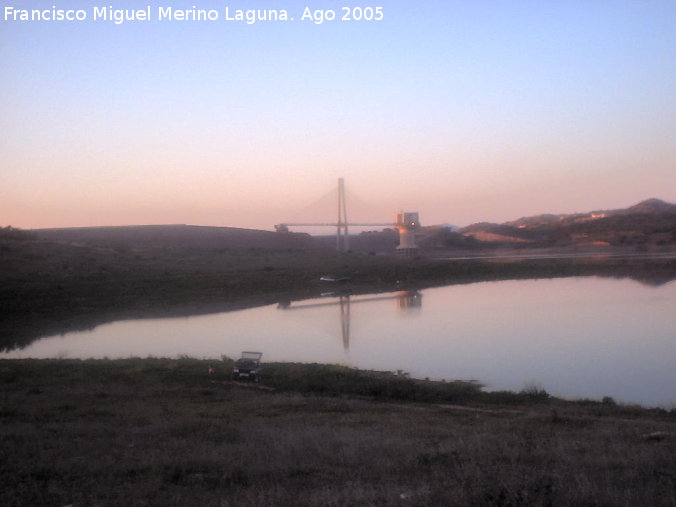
(583, 337)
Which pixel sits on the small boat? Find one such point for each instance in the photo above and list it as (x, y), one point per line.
(331, 278)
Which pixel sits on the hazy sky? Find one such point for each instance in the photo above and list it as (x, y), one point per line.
(462, 110)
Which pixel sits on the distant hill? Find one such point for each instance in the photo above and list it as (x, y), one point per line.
(650, 222)
(651, 206)
(176, 236)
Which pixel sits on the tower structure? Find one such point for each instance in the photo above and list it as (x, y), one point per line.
(407, 223)
(342, 236)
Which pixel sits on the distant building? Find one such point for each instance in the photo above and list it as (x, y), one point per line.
(407, 224)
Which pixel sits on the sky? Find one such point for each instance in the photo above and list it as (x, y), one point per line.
(465, 111)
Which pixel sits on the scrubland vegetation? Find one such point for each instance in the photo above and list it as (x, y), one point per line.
(164, 432)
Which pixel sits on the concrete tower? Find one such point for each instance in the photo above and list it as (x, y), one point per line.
(407, 223)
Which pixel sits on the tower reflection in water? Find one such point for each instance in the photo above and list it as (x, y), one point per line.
(405, 300)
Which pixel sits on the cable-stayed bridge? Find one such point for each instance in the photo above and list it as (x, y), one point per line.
(405, 222)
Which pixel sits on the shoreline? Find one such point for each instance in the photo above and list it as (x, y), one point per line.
(336, 379)
(43, 294)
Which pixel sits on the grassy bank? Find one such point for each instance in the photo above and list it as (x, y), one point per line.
(163, 432)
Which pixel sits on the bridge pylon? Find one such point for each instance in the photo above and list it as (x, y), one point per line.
(342, 234)
(407, 223)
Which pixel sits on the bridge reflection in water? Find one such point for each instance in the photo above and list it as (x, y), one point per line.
(405, 300)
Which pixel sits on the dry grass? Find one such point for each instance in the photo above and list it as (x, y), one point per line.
(161, 432)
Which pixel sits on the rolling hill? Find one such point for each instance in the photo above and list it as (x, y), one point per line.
(176, 236)
(650, 222)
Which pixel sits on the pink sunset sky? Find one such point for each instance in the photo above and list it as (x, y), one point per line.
(463, 111)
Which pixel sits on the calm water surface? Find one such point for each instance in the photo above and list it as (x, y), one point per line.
(575, 337)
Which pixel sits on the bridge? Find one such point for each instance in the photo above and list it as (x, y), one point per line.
(405, 222)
